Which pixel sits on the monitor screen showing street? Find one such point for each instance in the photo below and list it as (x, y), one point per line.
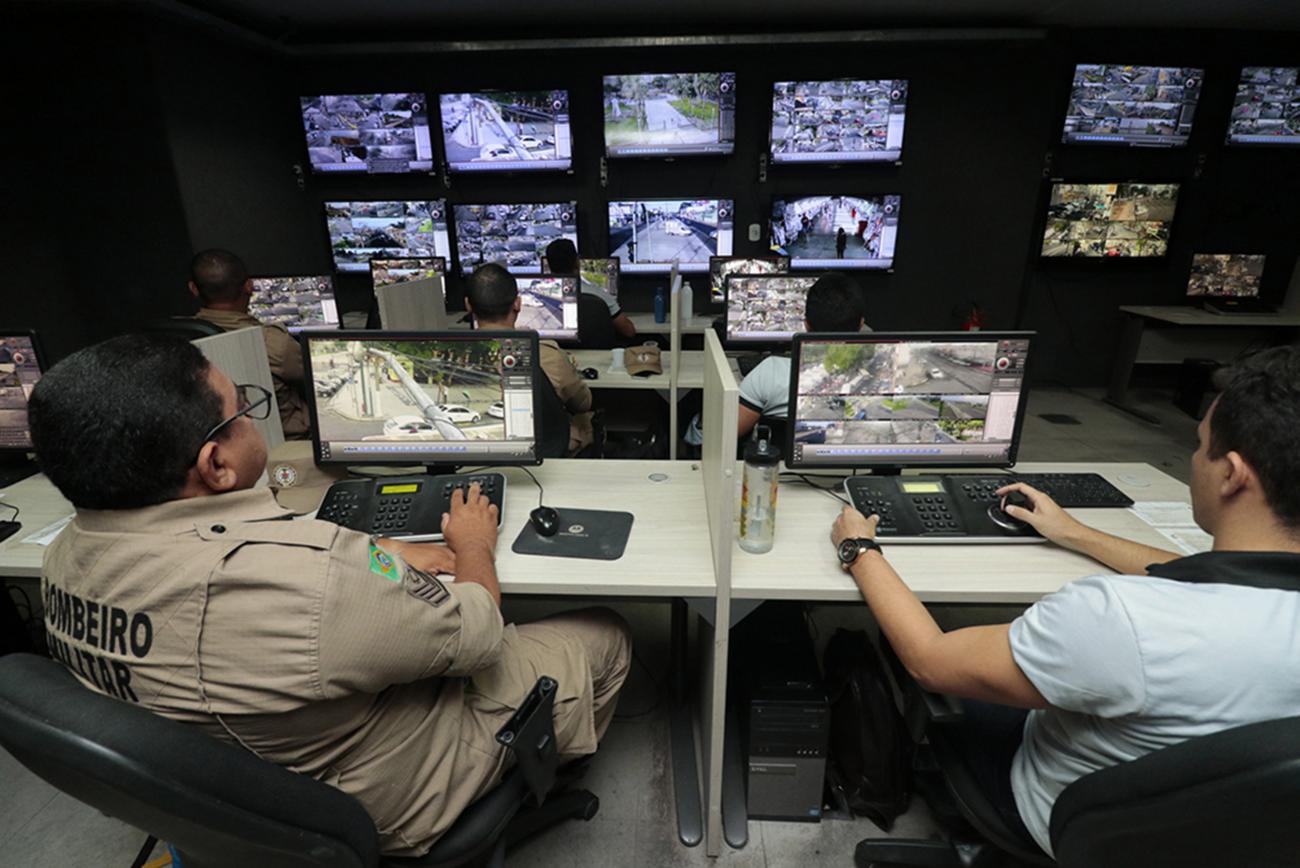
(548, 305)
(19, 372)
(597, 275)
(649, 235)
(667, 115)
(369, 132)
(507, 130)
(1109, 220)
(1266, 110)
(512, 235)
(836, 231)
(720, 267)
(362, 231)
(840, 121)
(1150, 106)
(900, 399)
(1225, 274)
(384, 272)
(766, 307)
(458, 398)
(295, 302)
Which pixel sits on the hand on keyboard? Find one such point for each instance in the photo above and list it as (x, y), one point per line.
(1046, 517)
(430, 557)
(471, 521)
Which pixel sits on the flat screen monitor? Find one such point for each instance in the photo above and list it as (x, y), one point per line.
(20, 369)
(512, 235)
(766, 308)
(362, 231)
(720, 267)
(548, 305)
(836, 231)
(597, 275)
(369, 132)
(907, 399)
(841, 121)
(670, 115)
(384, 272)
(649, 235)
(1148, 106)
(434, 398)
(1234, 275)
(296, 303)
(1109, 220)
(507, 131)
(1267, 108)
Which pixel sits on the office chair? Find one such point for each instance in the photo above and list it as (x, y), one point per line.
(595, 328)
(552, 420)
(220, 805)
(187, 327)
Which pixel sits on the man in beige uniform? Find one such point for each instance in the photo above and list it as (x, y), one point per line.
(492, 297)
(219, 280)
(181, 587)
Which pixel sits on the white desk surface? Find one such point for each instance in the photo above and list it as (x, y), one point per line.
(645, 324)
(41, 506)
(1195, 316)
(690, 377)
(802, 564)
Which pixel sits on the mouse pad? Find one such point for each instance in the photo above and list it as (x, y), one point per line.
(584, 533)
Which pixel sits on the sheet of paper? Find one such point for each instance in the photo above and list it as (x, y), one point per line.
(1190, 540)
(46, 535)
(1165, 513)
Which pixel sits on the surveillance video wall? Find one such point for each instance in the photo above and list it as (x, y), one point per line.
(507, 131)
(513, 235)
(1266, 110)
(841, 121)
(836, 231)
(373, 132)
(649, 235)
(295, 302)
(1151, 106)
(362, 231)
(663, 114)
(1109, 220)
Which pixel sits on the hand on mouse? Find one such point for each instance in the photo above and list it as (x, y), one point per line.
(1046, 517)
(472, 521)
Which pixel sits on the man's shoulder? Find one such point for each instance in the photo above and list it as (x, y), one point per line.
(770, 370)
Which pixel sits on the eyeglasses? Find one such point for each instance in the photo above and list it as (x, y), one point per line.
(253, 402)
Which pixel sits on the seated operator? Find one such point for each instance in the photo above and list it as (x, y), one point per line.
(1116, 666)
(562, 258)
(492, 297)
(179, 587)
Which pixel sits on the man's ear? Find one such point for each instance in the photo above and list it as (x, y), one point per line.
(213, 470)
(518, 305)
(194, 290)
(1237, 475)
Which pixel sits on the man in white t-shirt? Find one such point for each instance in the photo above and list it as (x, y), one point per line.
(562, 258)
(1113, 667)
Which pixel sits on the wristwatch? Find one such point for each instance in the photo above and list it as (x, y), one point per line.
(851, 549)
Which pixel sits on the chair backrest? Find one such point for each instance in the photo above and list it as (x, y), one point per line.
(595, 328)
(552, 419)
(1231, 798)
(218, 804)
(187, 327)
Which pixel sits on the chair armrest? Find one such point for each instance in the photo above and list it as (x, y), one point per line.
(921, 707)
(530, 735)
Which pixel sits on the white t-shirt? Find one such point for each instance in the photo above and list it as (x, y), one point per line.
(766, 389)
(1132, 664)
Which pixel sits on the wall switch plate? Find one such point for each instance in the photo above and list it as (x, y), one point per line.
(755, 232)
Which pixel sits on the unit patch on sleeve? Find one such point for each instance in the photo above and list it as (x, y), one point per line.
(382, 563)
(425, 586)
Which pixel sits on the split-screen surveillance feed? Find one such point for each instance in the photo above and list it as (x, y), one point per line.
(19, 372)
(370, 132)
(906, 401)
(721, 267)
(1225, 274)
(512, 235)
(362, 231)
(548, 305)
(295, 302)
(766, 307)
(840, 121)
(596, 275)
(421, 398)
(836, 231)
(667, 115)
(1109, 220)
(384, 272)
(507, 130)
(1267, 108)
(649, 235)
(1149, 106)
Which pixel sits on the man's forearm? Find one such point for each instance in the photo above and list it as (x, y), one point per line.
(903, 618)
(1121, 555)
(477, 564)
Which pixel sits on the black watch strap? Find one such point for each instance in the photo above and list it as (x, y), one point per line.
(861, 545)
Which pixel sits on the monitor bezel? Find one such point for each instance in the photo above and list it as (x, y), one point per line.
(796, 352)
(773, 338)
(671, 155)
(365, 172)
(31, 335)
(838, 264)
(843, 161)
(297, 329)
(400, 335)
(1125, 143)
(489, 169)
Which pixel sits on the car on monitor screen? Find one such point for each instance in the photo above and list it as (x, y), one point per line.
(496, 152)
(458, 414)
(406, 425)
(497, 410)
(530, 142)
(676, 227)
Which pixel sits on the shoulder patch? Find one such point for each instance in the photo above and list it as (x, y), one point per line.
(425, 586)
(382, 563)
(284, 475)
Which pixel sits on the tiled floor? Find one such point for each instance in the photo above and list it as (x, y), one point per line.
(631, 774)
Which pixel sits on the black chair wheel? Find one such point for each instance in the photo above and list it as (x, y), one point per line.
(588, 809)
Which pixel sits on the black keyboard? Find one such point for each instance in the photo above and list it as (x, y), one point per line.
(404, 507)
(1073, 490)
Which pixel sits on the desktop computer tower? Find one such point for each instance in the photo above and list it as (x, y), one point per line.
(787, 715)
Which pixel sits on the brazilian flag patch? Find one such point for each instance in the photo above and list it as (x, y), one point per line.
(382, 563)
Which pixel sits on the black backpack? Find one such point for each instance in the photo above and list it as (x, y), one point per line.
(869, 769)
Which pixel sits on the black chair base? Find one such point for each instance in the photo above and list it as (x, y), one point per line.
(929, 853)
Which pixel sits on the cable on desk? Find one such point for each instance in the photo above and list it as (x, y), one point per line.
(830, 492)
(14, 508)
(540, 490)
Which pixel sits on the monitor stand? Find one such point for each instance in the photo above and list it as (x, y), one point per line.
(16, 468)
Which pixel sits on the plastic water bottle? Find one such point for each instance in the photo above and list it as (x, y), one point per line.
(685, 302)
(758, 492)
(661, 305)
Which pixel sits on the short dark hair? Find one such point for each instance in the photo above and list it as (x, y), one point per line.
(1257, 415)
(218, 275)
(492, 291)
(562, 257)
(118, 425)
(834, 304)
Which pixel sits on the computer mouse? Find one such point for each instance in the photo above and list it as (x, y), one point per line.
(999, 516)
(590, 373)
(545, 520)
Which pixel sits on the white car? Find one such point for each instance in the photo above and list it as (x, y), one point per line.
(496, 152)
(497, 410)
(676, 227)
(406, 425)
(458, 414)
(530, 142)
(936, 374)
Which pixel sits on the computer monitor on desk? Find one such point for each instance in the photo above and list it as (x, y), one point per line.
(20, 369)
(765, 308)
(301, 302)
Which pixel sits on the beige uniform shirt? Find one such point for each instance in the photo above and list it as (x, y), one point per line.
(287, 374)
(306, 645)
(573, 392)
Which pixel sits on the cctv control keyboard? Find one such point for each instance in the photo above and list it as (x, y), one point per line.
(408, 508)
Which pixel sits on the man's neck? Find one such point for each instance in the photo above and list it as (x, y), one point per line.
(240, 306)
(500, 325)
(1254, 532)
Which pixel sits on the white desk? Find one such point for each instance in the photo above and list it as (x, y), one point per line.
(646, 325)
(691, 375)
(41, 506)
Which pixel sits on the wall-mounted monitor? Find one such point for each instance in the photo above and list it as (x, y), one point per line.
(670, 115)
(384, 272)
(513, 235)
(369, 132)
(548, 305)
(20, 370)
(1225, 275)
(296, 303)
(1267, 108)
(720, 267)
(362, 231)
(840, 121)
(1109, 220)
(1149, 106)
(507, 131)
(597, 275)
(766, 308)
(836, 231)
(649, 235)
